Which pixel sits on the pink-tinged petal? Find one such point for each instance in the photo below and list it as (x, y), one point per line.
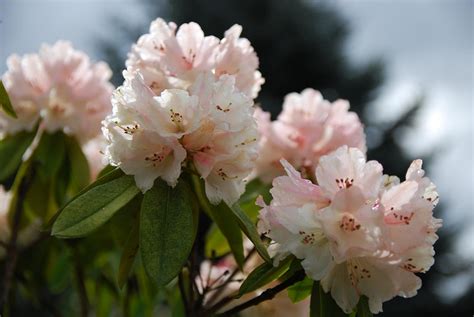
(352, 226)
(347, 167)
(338, 283)
(408, 209)
(381, 282)
(293, 189)
(146, 155)
(237, 57)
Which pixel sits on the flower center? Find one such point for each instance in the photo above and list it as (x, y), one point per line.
(356, 271)
(158, 156)
(223, 175)
(349, 223)
(311, 237)
(177, 119)
(344, 183)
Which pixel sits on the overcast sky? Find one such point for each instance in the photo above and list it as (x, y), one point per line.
(428, 47)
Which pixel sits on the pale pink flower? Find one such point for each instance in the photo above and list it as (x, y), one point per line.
(307, 128)
(373, 276)
(236, 56)
(61, 87)
(375, 231)
(144, 154)
(171, 57)
(410, 228)
(293, 222)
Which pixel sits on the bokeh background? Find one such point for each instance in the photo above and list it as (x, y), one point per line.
(406, 67)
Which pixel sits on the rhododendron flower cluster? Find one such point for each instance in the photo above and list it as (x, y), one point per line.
(168, 57)
(307, 128)
(187, 98)
(211, 125)
(59, 86)
(357, 231)
(183, 137)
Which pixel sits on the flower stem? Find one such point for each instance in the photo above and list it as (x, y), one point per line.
(15, 210)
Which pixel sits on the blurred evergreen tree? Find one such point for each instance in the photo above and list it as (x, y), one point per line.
(301, 44)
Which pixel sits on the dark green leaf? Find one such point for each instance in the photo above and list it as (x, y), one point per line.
(295, 266)
(300, 290)
(129, 252)
(5, 102)
(250, 231)
(50, 154)
(224, 219)
(264, 274)
(254, 189)
(36, 199)
(194, 204)
(363, 307)
(79, 166)
(106, 170)
(95, 207)
(108, 177)
(166, 231)
(12, 149)
(322, 304)
(228, 225)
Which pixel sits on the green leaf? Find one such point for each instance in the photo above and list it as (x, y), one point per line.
(106, 170)
(166, 231)
(12, 149)
(216, 244)
(93, 208)
(295, 266)
(300, 290)
(229, 226)
(363, 307)
(264, 274)
(50, 154)
(130, 250)
(5, 102)
(250, 231)
(79, 166)
(224, 219)
(108, 177)
(322, 304)
(254, 189)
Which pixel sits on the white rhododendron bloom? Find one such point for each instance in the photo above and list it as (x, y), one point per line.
(171, 57)
(307, 128)
(357, 231)
(59, 86)
(210, 125)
